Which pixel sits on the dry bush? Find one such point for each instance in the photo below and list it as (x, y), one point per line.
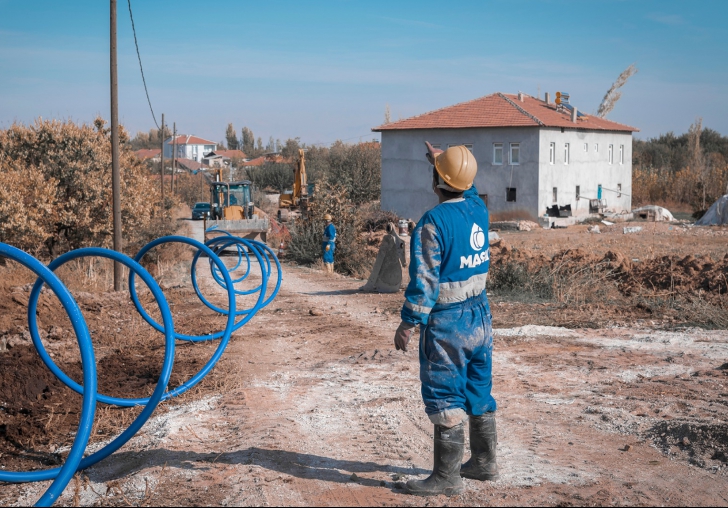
(55, 188)
(192, 189)
(352, 257)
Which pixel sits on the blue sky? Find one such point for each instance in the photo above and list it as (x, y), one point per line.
(326, 70)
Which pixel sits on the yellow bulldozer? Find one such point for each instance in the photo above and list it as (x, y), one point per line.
(233, 211)
(295, 203)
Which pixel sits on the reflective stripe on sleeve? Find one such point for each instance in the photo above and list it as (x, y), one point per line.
(418, 308)
(451, 292)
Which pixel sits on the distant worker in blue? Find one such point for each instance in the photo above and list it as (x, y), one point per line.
(449, 260)
(328, 245)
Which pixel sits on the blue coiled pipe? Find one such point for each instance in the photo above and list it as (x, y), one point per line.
(63, 474)
(221, 274)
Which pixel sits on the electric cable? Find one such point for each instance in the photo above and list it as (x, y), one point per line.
(139, 56)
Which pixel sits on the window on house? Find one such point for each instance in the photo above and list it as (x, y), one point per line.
(497, 153)
(578, 191)
(515, 154)
(566, 153)
(611, 154)
(469, 146)
(552, 153)
(621, 154)
(436, 146)
(619, 190)
(596, 147)
(586, 147)
(556, 195)
(511, 194)
(484, 198)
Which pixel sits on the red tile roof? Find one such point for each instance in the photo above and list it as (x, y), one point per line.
(185, 139)
(267, 158)
(233, 154)
(191, 164)
(145, 153)
(502, 110)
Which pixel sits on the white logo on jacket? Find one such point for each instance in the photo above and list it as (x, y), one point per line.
(477, 237)
(477, 242)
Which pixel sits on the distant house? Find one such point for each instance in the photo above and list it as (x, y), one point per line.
(189, 147)
(215, 160)
(222, 158)
(191, 165)
(265, 159)
(531, 153)
(231, 154)
(149, 154)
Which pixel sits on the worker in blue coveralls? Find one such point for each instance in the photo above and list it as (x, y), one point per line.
(328, 245)
(449, 260)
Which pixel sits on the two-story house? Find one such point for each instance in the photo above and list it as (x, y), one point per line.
(532, 154)
(189, 147)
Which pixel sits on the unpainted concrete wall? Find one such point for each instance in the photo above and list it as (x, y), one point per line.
(407, 176)
(587, 169)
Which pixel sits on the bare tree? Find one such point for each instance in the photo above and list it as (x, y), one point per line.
(613, 94)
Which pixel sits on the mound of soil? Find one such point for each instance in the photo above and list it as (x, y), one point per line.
(684, 275)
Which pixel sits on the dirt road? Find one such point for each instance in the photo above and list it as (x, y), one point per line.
(320, 410)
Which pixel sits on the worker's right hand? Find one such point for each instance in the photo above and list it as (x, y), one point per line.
(328, 248)
(402, 336)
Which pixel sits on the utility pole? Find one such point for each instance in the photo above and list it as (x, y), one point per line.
(115, 176)
(174, 156)
(161, 172)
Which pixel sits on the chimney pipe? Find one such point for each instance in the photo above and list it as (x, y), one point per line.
(573, 115)
(520, 96)
(548, 98)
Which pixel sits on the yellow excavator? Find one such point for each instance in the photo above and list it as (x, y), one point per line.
(295, 203)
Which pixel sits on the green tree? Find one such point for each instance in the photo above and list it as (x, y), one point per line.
(231, 137)
(248, 141)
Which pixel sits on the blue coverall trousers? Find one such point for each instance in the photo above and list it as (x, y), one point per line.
(456, 363)
(328, 254)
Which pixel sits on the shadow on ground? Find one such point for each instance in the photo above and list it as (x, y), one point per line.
(300, 465)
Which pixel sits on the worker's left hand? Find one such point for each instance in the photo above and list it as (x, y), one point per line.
(402, 336)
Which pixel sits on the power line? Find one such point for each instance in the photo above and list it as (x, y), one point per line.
(140, 65)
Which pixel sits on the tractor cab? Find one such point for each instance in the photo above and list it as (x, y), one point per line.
(231, 200)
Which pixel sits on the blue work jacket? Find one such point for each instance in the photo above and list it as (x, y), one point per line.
(449, 257)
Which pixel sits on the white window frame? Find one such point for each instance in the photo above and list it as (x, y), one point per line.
(567, 150)
(586, 147)
(619, 190)
(578, 191)
(496, 146)
(611, 154)
(596, 147)
(437, 146)
(552, 153)
(469, 146)
(621, 154)
(555, 195)
(517, 146)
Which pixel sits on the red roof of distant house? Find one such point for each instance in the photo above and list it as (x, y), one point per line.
(267, 158)
(233, 154)
(191, 164)
(503, 110)
(146, 153)
(184, 139)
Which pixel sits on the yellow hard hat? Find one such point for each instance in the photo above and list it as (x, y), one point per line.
(328, 217)
(457, 167)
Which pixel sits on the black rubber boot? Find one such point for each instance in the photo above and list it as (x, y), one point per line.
(482, 465)
(445, 477)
